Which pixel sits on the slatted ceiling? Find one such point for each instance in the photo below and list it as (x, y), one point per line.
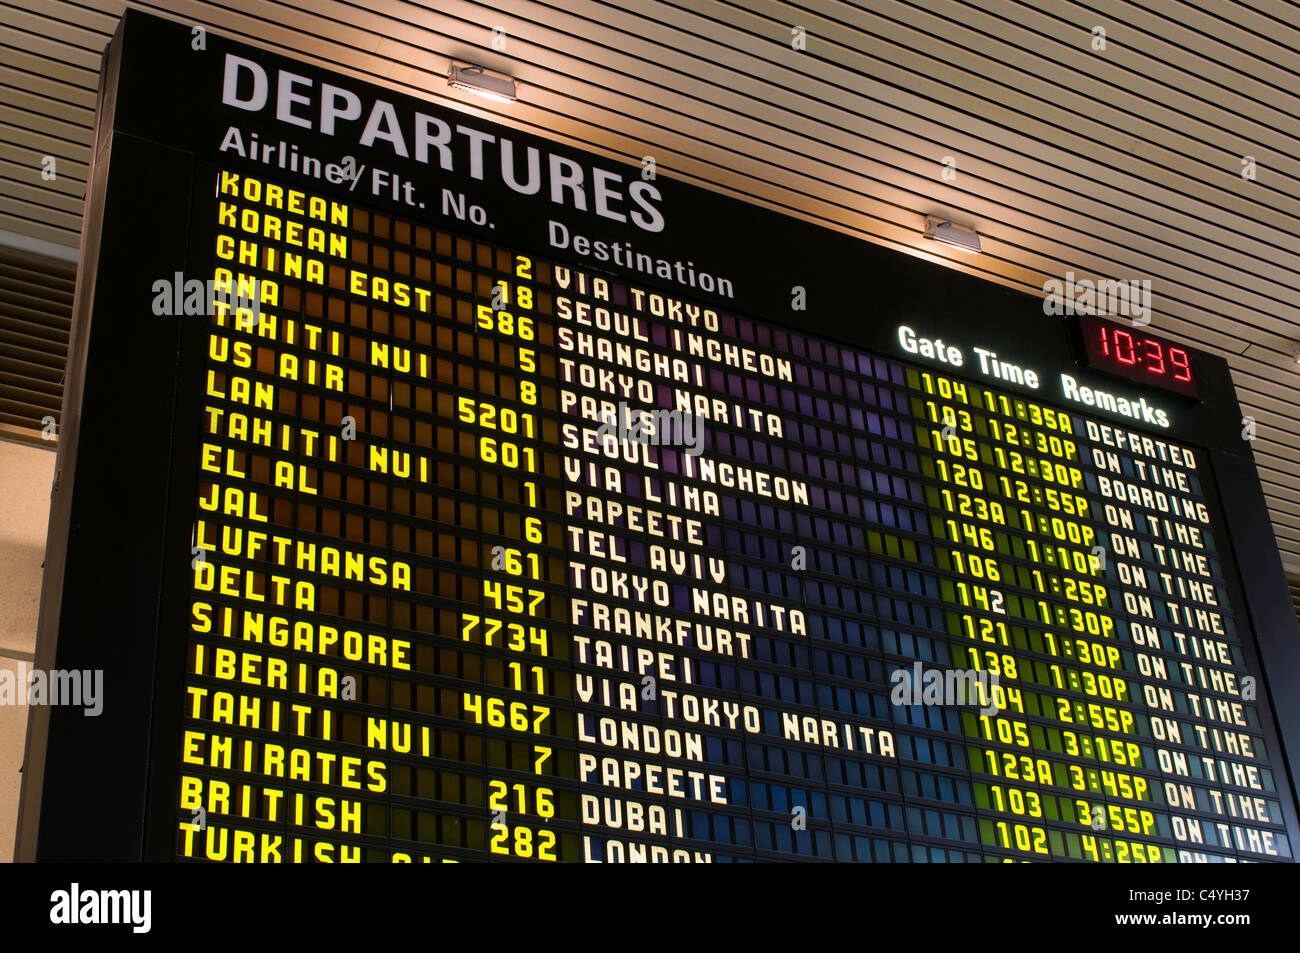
(1254, 391)
(1288, 519)
(943, 84)
(37, 101)
(1254, 38)
(59, 92)
(25, 19)
(1269, 395)
(1142, 58)
(22, 200)
(1288, 511)
(90, 17)
(1042, 54)
(1270, 475)
(1271, 472)
(1269, 380)
(73, 156)
(1121, 164)
(13, 156)
(48, 225)
(38, 131)
(35, 229)
(1288, 539)
(1287, 524)
(37, 220)
(61, 120)
(1286, 531)
(1277, 465)
(1048, 251)
(58, 194)
(1278, 434)
(35, 318)
(1273, 436)
(1273, 20)
(1283, 491)
(1281, 456)
(1288, 543)
(33, 63)
(1222, 69)
(1275, 402)
(57, 52)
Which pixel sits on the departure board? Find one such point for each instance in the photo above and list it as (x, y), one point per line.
(475, 547)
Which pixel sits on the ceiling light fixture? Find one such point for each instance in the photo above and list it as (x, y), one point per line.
(955, 235)
(475, 79)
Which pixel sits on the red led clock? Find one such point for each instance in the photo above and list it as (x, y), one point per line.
(1130, 352)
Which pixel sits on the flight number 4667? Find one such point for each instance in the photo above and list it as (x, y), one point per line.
(498, 713)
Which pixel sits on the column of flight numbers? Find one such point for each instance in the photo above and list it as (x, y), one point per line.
(248, 568)
(1008, 487)
(467, 380)
(946, 425)
(446, 378)
(525, 669)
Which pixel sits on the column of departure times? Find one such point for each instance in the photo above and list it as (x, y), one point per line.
(1010, 487)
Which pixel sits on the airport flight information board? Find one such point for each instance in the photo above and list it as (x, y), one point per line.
(466, 536)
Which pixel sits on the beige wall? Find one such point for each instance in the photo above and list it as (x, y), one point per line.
(26, 473)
